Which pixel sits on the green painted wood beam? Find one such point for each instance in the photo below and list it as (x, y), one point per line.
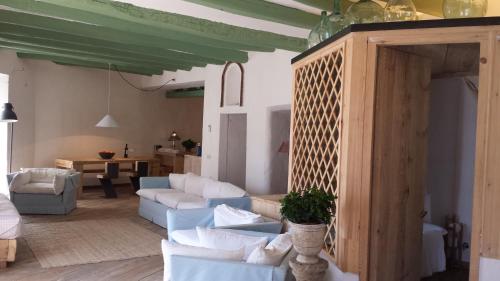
(188, 93)
(84, 42)
(69, 29)
(263, 10)
(99, 58)
(91, 64)
(131, 70)
(45, 44)
(130, 18)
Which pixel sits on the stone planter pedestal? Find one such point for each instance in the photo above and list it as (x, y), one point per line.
(309, 272)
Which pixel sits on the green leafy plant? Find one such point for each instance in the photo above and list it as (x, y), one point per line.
(188, 144)
(312, 206)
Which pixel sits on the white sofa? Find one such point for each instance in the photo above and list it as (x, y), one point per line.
(185, 191)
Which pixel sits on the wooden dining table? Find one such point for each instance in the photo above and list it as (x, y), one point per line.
(79, 164)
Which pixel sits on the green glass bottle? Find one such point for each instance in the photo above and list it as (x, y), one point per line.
(364, 11)
(465, 8)
(400, 10)
(322, 31)
(337, 20)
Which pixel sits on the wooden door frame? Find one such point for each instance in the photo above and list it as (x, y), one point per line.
(487, 38)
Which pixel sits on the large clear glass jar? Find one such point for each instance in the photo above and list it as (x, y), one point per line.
(336, 18)
(465, 8)
(364, 11)
(400, 10)
(322, 31)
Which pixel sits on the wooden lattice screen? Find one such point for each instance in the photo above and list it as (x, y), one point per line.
(316, 128)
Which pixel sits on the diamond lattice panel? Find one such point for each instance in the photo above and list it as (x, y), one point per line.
(316, 129)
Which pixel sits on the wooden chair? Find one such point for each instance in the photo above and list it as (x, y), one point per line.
(111, 171)
(141, 169)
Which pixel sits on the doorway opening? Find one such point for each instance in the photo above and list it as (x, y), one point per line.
(423, 176)
(233, 149)
(280, 146)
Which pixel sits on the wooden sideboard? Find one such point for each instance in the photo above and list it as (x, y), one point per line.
(170, 162)
(192, 164)
(79, 166)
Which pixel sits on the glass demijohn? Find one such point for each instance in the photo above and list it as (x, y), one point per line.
(337, 20)
(364, 11)
(465, 8)
(400, 10)
(322, 31)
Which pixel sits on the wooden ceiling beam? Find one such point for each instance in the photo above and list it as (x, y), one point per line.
(20, 48)
(263, 10)
(133, 19)
(68, 30)
(31, 34)
(26, 48)
(45, 44)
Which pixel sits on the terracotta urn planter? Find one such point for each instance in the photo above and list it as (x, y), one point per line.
(308, 240)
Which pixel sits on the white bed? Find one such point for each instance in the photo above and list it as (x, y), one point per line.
(10, 220)
(433, 254)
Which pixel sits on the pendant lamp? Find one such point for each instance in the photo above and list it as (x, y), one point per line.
(108, 121)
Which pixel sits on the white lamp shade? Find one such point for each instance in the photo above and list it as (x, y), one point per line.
(107, 122)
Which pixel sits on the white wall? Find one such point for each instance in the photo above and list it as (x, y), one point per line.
(268, 83)
(452, 135)
(21, 96)
(58, 107)
(489, 269)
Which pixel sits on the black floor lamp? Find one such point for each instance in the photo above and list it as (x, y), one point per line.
(8, 115)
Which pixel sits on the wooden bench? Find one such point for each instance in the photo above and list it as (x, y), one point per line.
(7, 252)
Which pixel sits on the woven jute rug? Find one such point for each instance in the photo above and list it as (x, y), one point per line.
(90, 241)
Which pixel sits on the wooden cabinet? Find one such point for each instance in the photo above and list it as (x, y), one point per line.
(192, 164)
(359, 131)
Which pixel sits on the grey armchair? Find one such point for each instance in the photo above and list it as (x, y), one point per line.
(48, 204)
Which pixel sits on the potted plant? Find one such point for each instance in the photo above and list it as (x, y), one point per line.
(307, 214)
(188, 145)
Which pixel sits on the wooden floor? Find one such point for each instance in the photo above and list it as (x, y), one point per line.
(92, 206)
(450, 275)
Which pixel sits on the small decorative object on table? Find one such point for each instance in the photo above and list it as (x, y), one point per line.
(465, 8)
(125, 152)
(173, 138)
(106, 154)
(307, 214)
(188, 144)
(364, 11)
(400, 10)
(198, 149)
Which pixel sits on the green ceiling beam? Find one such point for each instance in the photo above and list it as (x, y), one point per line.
(93, 57)
(55, 38)
(93, 64)
(68, 29)
(45, 44)
(131, 70)
(187, 93)
(263, 10)
(130, 18)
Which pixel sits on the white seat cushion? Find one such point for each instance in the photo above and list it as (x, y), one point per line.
(195, 184)
(45, 174)
(226, 215)
(225, 240)
(192, 202)
(177, 181)
(273, 253)
(10, 220)
(187, 237)
(217, 189)
(174, 199)
(36, 187)
(150, 193)
(170, 249)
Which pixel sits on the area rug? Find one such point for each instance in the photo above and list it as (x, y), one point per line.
(90, 241)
